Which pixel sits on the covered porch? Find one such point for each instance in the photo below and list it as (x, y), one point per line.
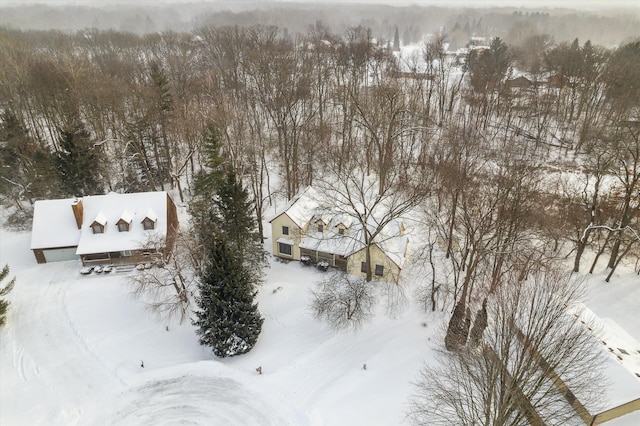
(315, 256)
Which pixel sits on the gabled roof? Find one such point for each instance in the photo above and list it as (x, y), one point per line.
(151, 215)
(126, 216)
(300, 208)
(390, 242)
(54, 224)
(110, 207)
(100, 219)
(305, 207)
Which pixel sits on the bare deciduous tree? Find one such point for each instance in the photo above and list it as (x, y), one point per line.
(534, 363)
(343, 301)
(167, 286)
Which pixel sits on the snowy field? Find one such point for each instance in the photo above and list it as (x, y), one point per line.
(72, 349)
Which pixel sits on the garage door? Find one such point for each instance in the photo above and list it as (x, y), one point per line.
(57, 255)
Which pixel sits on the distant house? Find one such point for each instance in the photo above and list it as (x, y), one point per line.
(520, 82)
(304, 230)
(104, 229)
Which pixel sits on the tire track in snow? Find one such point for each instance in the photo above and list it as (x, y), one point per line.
(24, 364)
(83, 342)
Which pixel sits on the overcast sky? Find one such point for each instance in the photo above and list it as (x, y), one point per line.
(572, 4)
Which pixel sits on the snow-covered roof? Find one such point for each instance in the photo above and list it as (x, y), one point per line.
(331, 242)
(301, 208)
(306, 207)
(126, 216)
(622, 361)
(151, 215)
(390, 240)
(111, 207)
(54, 224)
(100, 218)
(285, 241)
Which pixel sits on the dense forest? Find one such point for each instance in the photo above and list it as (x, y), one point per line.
(515, 153)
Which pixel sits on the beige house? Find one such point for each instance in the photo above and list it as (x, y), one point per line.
(303, 230)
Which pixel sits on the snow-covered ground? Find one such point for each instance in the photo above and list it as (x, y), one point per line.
(72, 349)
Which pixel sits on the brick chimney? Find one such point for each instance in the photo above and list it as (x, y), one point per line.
(77, 212)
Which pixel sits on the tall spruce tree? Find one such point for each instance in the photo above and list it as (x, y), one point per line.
(235, 221)
(206, 183)
(78, 163)
(228, 319)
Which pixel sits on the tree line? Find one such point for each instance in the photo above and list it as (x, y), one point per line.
(97, 111)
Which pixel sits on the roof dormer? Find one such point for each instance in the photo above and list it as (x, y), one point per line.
(341, 229)
(150, 220)
(124, 223)
(99, 223)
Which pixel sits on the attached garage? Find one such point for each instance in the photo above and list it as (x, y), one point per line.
(55, 231)
(60, 254)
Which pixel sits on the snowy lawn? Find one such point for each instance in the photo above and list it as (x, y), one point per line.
(72, 349)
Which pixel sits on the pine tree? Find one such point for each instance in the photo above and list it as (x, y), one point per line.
(228, 319)
(78, 163)
(396, 41)
(235, 221)
(4, 305)
(206, 183)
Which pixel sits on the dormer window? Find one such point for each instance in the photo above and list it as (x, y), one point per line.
(149, 221)
(341, 231)
(320, 227)
(98, 224)
(124, 222)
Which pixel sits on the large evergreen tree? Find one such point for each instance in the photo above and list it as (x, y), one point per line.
(206, 183)
(78, 163)
(228, 319)
(233, 219)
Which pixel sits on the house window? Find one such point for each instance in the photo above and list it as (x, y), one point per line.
(284, 249)
(148, 224)
(125, 253)
(320, 227)
(379, 270)
(97, 228)
(123, 227)
(341, 231)
(363, 267)
(285, 230)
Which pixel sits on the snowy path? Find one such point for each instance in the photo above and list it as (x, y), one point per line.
(50, 359)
